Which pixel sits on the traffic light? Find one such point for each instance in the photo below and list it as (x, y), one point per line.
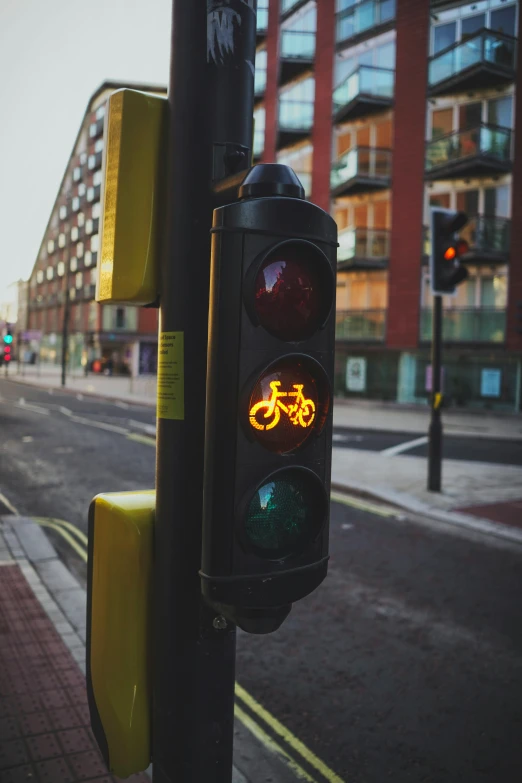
(8, 339)
(268, 431)
(446, 270)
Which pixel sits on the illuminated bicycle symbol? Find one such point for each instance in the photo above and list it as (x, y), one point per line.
(301, 411)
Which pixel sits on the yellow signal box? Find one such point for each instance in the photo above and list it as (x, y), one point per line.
(119, 627)
(132, 194)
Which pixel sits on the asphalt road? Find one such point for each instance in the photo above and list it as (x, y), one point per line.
(405, 665)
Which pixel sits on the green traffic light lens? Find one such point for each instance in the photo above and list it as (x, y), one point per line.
(8, 338)
(285, 514)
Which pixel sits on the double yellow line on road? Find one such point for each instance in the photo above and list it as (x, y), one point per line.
(276, 737)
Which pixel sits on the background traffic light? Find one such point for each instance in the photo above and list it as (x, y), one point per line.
(446, 270)
(8, 339)
(269, 400)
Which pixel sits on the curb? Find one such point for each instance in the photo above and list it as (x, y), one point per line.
(406, 503)
(95, 395)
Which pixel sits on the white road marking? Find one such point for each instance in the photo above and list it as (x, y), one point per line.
(338, 436)
(401, 447)
(100, 425)
(150, 429)
(65, 411)
(8, 505)
(30, 407)
(79, 396)
(121, 404)
(27, 439)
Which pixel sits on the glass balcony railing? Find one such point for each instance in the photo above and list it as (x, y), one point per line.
(363, 16)
(365, 80)
(366, 325)
(295, 115)
(363, 243)
(262, 16)
(369, 162)
(484, 47)
(286, 5)
(488, 234)
(487, 140)
(259, 81)
(481, 325)
(297, 45)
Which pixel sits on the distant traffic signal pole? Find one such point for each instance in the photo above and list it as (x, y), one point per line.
(446, 272)
(209, 143)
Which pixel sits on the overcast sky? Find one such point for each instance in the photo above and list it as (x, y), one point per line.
(53, 56)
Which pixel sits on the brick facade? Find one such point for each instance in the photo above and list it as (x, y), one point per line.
(322, 130)
(412, 29)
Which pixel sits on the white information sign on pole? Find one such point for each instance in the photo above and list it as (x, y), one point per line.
(356, 374)
(490, 382)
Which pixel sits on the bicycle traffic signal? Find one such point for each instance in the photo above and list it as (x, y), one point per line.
(446, 270)
(8, 339)
(269, 400)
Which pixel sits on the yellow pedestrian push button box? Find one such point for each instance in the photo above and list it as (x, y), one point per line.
(119, 592)
(132, 194)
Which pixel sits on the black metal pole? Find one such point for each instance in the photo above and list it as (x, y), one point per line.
(209, 138)
(435, 431)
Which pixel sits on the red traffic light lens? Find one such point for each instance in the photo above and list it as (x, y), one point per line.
(291, 293)
(289, 401)
(462, 247)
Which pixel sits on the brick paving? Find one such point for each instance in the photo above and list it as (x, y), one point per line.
(509, 513)
(45, 731)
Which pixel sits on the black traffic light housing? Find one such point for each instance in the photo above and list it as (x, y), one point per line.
(269, 400)
(8, 340)
(446, 270)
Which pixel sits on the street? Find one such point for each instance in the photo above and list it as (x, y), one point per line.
(405, 665)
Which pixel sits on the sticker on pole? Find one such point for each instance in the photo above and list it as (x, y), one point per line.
(171, 376)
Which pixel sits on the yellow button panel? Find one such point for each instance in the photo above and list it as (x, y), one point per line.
(119, 609)
(131, 197)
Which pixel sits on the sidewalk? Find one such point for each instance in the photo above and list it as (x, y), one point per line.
(45, 731)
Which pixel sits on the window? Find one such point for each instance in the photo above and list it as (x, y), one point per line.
(260, 71)
(379, 56)
(367, 291)
(296, 104)
(83, 159)
(39, 276)
(470, 115)
(98, 145)
(465, 21)
(93, 316)
(81, 219)
(81, 189)
(500, 111)
(90, 194)
(120, 318)
(60, 269)
(95, 241)
(87, 259)
(74, 234)
(93, 276)
(77, 174)
(503, 20)
(50, 246)
(76, 204)
(79, 280)
(72, 293)
(50, 273)
(100, 112)
(63, 212)
(73, 266)
(61, 240)
(88, 226)
(471, 25)
(79, 249)
(97, 177)
(96, 210)
(259, 131)
(300, 159)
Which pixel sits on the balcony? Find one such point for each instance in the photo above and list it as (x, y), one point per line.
(374, 16)
(467, 325)
(297, 54)
(481, 151)
(489, 239)
(360, 325)
(367, 90)
(363, 248)
(295, 121)
(486, 59)
(360, 170)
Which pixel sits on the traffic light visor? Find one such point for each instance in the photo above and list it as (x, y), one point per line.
(289, 401)
(293, 291)
(285, 513)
